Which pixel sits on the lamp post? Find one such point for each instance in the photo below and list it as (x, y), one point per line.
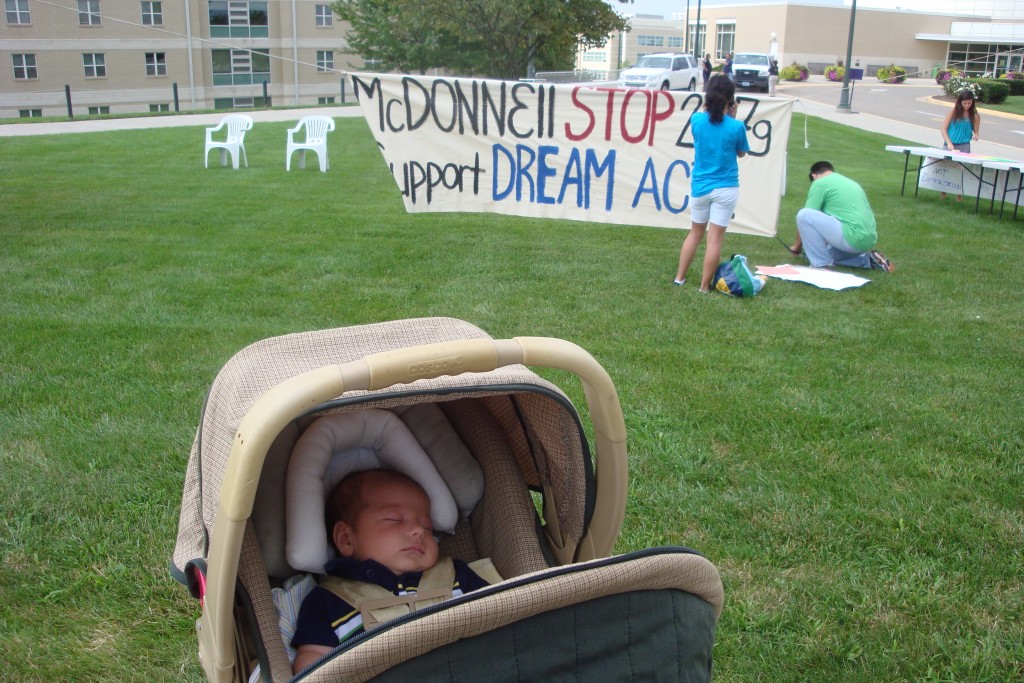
(699, 48)
(844, 96)
(686, 29)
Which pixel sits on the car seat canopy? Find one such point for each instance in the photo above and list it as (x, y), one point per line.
(535, 416)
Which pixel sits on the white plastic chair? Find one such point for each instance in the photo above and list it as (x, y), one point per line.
(317, 128)
(234, 144)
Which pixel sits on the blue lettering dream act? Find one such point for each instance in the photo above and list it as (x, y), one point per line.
(534, 176)
(661, 193)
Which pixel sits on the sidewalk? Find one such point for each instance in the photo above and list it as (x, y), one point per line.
(180, 120)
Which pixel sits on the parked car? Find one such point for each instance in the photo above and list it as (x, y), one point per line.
(662, 71)
(750, 70)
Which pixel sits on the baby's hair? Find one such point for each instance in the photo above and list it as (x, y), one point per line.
(347, 501)
(719, 97)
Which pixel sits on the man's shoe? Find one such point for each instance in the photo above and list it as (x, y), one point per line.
(879, 262)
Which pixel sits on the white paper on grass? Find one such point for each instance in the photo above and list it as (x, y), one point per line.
(819, 277)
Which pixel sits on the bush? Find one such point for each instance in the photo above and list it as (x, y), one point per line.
(834, 73)
(992, 91)
(985, 89)
(945, 73)
(892, 74)
(957, 83)
(794, 72)
(1014, 79)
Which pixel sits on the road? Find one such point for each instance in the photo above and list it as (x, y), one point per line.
(907, 110)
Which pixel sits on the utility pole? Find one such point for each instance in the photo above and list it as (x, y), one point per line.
(686, 29)
(698, 48)
(844, 97)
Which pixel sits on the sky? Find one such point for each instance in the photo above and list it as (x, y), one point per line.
(666, 8)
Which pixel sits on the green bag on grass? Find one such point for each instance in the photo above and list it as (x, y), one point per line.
(734, 278)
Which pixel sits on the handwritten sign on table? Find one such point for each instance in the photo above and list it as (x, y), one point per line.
(943, 175)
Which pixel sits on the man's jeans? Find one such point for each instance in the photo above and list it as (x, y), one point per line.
(824, 243)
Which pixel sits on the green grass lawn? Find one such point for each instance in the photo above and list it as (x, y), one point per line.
(851, 461)
(1012, 105)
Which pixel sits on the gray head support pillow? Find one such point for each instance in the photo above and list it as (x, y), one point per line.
(336, 445)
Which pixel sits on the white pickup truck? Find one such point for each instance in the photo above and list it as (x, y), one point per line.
(750, 70)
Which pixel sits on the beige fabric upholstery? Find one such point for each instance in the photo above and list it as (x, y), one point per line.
(253, 576)
(504, 522)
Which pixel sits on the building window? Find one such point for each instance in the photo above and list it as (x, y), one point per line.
(725, 41)
(325, 60)
(89, 12)
(30, 113)
(698, 39)
(650, 41)
(675, 41)
(17, 12)
(218, 15)
(241, 102)
(95, 65)
(159, 107)
(240, 67)
(238, 19)
(96, 111)
(325, 100)
(595, 57)
(152, 14)
(324, 15)
(156, 64)
(25, 67)
(976, 59)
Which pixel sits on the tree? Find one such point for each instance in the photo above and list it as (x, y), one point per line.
(398, 35)
(494, 38)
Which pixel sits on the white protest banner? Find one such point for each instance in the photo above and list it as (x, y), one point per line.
(578, 152)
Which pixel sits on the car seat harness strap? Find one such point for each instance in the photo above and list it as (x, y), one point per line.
(378, 605)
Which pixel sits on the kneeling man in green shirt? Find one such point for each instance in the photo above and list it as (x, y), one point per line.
(836, 227)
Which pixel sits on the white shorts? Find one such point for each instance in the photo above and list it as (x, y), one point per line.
(716, 207)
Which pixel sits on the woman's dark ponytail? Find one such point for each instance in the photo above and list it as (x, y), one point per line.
(719, 97)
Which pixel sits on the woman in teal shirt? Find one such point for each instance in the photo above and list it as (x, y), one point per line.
(962, 124)
(718, 141)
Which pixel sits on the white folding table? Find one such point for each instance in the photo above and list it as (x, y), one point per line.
(972, 164)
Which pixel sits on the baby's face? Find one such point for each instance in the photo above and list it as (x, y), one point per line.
(394, 529)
